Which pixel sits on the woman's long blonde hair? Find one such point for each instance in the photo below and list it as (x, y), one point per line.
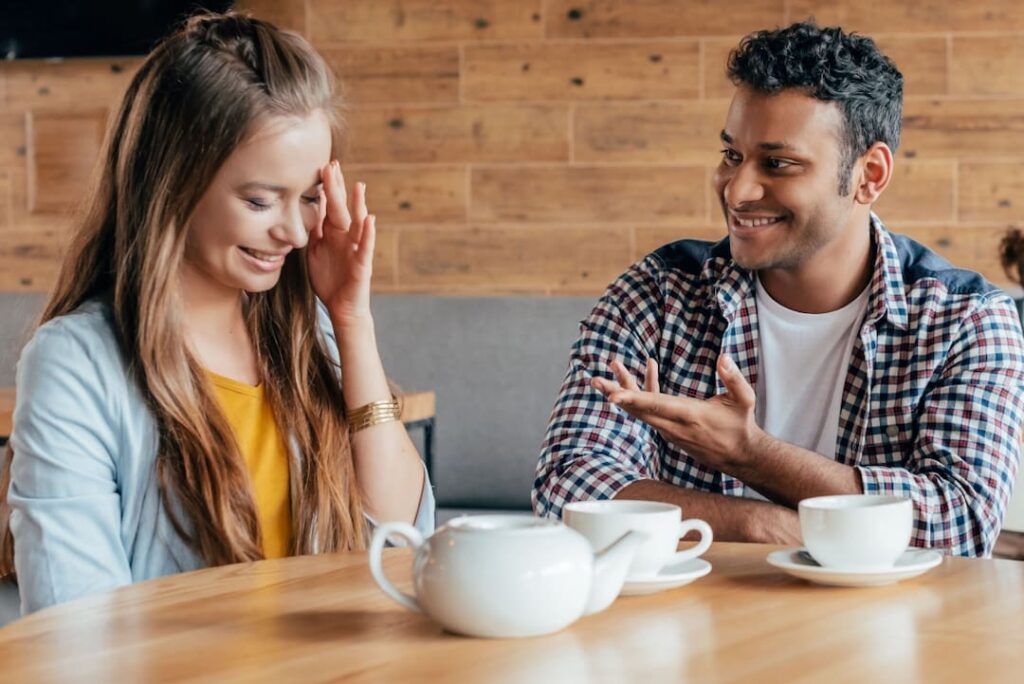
(197, 96)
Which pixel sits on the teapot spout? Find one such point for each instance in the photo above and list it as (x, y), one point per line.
(610, 568)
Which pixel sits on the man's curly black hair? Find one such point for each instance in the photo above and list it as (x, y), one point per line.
(832, 66)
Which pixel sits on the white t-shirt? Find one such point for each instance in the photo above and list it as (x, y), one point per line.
(802, 364)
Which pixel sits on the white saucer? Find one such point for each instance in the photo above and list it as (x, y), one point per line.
(669, 577)
(797, 562)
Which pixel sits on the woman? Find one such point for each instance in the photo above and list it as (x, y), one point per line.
(182, 404)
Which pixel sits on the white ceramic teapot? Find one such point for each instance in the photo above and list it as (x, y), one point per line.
(506, 575)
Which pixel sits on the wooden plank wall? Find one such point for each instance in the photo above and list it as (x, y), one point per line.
(540, 146)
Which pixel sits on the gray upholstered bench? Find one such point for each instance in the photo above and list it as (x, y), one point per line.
(495, 364)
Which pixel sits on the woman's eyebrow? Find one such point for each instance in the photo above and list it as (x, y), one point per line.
(257, 185)
(278, 189)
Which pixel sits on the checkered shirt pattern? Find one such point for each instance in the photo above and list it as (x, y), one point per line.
(932, 403)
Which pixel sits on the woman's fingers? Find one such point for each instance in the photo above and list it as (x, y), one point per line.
(318, 229)
(334, 187)
(369, 241)
(357, 206)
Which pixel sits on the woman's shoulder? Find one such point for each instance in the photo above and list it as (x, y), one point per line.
(72, 385)
(83, 336)
(90, 324)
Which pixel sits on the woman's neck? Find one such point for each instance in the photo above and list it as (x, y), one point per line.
(215, 328)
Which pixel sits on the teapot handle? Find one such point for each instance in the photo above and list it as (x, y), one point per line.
(380, 537)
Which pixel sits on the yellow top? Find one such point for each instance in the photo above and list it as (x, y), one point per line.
(266, 455)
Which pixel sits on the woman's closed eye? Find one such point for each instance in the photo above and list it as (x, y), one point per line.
(262, 204)
(258, 203)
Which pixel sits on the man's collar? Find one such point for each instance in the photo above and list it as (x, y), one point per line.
(733, 284)
(886, 294)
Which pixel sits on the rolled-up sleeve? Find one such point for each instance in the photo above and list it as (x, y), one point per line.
(964, 463)
(592, 449)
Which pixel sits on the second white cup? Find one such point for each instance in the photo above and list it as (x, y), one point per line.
(857, 531)
(603, 522)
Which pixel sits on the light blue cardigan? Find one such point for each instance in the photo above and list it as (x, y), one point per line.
(86, 513)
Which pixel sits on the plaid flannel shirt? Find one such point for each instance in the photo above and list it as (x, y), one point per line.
(932, 403)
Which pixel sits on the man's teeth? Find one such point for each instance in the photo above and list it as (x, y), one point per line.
(263, 256)
(753, 223)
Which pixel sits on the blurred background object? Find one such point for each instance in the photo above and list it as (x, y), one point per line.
(72, 28)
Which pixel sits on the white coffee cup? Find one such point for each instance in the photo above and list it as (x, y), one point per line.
(857, 531)
(602, 522)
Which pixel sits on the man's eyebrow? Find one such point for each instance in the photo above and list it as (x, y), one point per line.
(766, 146)
(773, 146)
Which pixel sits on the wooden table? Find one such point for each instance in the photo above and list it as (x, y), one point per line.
(323, 619)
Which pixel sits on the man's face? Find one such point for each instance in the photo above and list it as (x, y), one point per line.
(778, 181)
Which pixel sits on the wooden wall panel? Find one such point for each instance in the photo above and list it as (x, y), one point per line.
(914, 16)
(503, 139)
(646, 70)
(76, 84)
(29, 259)
(649, 18)
(992, 191)
(12, 141)
(963, 128)
(988, 65)
(289, 14)
(580, 194)
(354, 21)
(676, 132)
(513, 258)
(923, 61)
(385, 258)
(975, 247)
(408, 74)
(426, 194)
(5, 201)
(20, 216)
(62, 152)
(494, 133)
(716, 59)
(650, 238)
(951, 243)
(984, 245)
(919, 191)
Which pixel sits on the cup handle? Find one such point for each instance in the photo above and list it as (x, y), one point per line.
(694, 525)
(380, 537)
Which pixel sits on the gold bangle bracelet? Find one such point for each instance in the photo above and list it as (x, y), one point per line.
(374, 413)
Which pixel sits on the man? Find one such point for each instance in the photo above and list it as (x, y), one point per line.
(809, 353)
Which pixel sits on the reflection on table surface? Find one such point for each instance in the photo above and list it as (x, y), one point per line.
(322, 618)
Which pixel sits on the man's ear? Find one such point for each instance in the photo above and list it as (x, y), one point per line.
(876, 167)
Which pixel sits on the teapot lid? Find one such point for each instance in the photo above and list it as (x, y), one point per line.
(521, 524)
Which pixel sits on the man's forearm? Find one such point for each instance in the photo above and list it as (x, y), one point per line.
(787, 474)
(731, 518)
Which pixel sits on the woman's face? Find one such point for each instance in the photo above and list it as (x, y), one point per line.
(261, 205)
